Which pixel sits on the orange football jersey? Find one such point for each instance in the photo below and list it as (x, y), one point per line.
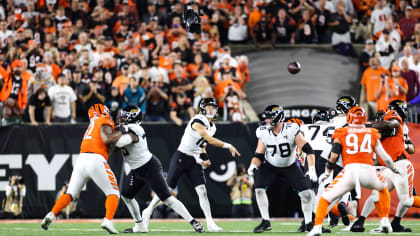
(92, 141)
(358, 144)
(394, 141)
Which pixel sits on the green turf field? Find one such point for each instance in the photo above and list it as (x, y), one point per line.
(173, 229)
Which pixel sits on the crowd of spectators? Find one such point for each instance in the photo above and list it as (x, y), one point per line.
(390, 59)
(59, 57)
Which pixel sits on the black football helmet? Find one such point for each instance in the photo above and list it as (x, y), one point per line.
(321, 115)
(207, 102)
(400, 107)
(130, 115)
(345, 103)
(332, 113)
(276, 113)
(379, 116)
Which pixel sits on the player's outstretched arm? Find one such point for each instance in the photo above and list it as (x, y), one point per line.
(108, 136)
(335, 153)
(257, 158)
(379, 149)
(201, 130)
(306, 147)
(409, 146)
(126, 138)
(386, 124)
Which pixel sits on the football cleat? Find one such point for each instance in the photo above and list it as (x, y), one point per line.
(344, 215)
(399, 228)
(109, 226)
(48, 219)
(358, 226)
(386, 225)
(212, 227)
(198, 227)
(138, 228)
(316, 231)
(333, 220)
(265, 225)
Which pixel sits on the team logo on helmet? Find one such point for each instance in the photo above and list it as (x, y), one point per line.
(356, 116)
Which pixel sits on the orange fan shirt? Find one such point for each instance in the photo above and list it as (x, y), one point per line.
(394, 144)
(358, 144)
(92, 141)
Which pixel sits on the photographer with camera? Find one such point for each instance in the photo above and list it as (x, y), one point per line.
(241, 193)
(15, 192)
(72, 207)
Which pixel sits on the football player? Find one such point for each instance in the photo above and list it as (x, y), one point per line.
(275, 157)
(396, 143)
(191, 158)
(356, 144)
(145, 169)
(338, 120)
(92, 164)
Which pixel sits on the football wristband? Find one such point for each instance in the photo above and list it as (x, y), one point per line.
(227, 145)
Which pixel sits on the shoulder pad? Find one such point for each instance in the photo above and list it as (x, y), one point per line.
(259, 130)
(136, 129)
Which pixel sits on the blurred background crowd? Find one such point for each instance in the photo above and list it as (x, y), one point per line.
(58, 57)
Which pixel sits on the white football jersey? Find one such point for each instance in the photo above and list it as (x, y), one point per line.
(316, 134)
(280, 149)
(137, 154)
(405, 132)
(191, 142)
(335, 123)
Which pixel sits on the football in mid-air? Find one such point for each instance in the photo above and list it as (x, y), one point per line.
(294, 67)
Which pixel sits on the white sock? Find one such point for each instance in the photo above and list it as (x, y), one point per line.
(133, 207)
(262, 202)
(370, 204)
(307, 199)
(154, 203)
(178, 207)
(401, 210)
(204, 203)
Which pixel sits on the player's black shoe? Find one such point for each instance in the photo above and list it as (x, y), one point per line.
(302, 226)
(325, 230)
(358, 226)
(308, 227)
(333, 220)
(264, 226)
(399, 228)
(198, 227)
(344, 215)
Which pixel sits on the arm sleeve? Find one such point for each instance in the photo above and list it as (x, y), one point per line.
(124, 140)
(384, 155)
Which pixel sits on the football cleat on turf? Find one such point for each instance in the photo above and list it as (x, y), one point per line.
(146, 214)
(358, 226)
(316, 231)
(301, 228)
(48, 219)
(109, 226)
(333, 220)
(138, 228)
(399, 228)
(325, 230)
(309, 226)
(264, 226)
(344, 215)
(212, 227)
(198, 227)
(386, 225)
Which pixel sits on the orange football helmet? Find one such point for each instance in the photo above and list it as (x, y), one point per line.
(98, 110)
(356, 115)
(296, 121)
